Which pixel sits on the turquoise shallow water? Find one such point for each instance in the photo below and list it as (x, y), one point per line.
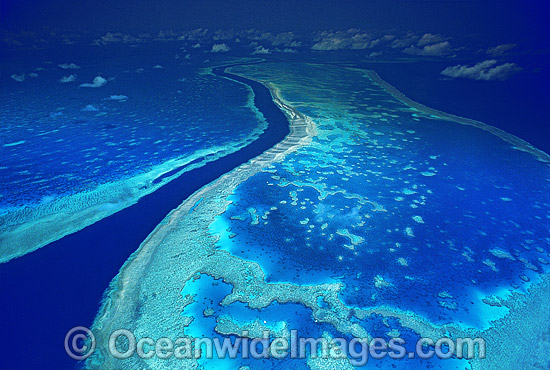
(383, 192)
(407, 210)
(73, 139)
(72, 273)
(383, 221)
(91, 151)
(388, 219)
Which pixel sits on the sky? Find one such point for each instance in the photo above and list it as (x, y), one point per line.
(480, 24)
(482, 40)
(512, 19)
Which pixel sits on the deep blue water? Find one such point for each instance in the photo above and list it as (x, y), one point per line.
(154, 107)
(518, 105)
(60, 286)
(475, 195)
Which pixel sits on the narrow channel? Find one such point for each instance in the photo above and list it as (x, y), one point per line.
(60, 286)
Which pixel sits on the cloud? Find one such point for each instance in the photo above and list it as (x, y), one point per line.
(439, 49)
(26, 39)
(500, 49)
(117, 37)
(68, 66)
(157, 66)
(329, 44)
(374, 54)
(352, 39)
(18, 77)
(89, 108)
(261, 50)
(97, 82)
(404, 41)
(66, 79)
(220, 35)
(286, 39)
(286, 50)
(118, 97)
(283, 39)
(429, 38)
(485, 71)
(194, 35)
(381, 40)
(220, 48)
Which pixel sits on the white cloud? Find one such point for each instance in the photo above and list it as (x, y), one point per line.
(285, 39)
(486, 71)
(500, 49)
(223, 35)
(405, 41)
(381, 40)
(18, 77)
(374, 54)
(286, 50)
(118, 97)
(351, 39)
(97, 82)
(158, 66)
(68, 66)
(66, 79)
(329, 44)
(429, 38)
(117, 37)
(89, 108)
(261, 50)
(194, 35)
(257, 35)
(220, 48)
(439, 49)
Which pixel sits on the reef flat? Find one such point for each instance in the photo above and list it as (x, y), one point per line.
(90, 153)
(26, 229)
(379, 219)
(122, 305)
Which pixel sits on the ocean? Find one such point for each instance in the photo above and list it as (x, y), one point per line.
(389, 213)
